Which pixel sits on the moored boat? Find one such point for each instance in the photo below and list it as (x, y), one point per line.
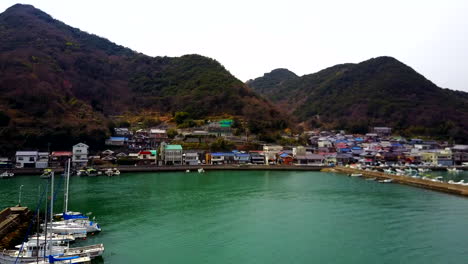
(6, 175)
(46, 173)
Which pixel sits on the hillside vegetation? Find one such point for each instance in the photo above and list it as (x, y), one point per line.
(60, 85)
(377, 92)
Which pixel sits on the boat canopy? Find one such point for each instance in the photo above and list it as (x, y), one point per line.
(78, 216)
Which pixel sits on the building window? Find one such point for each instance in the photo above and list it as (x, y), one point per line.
(31, 158)
(20, 158)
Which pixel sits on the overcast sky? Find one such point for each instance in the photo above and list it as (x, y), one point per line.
(251, 37)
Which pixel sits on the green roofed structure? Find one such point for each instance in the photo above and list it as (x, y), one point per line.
(173, 155)
(173, 147)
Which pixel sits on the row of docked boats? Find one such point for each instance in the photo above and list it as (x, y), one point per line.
(90, 172)
(52, 245)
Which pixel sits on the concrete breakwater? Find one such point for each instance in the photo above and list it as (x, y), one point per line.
(416, 182)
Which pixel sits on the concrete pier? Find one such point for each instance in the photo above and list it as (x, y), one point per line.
(416, 182)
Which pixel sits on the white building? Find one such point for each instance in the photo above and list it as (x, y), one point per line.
(270, 152)
(26, 159)
(80, 155)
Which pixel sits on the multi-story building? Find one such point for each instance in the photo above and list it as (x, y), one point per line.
(173, 155)
(80, 155)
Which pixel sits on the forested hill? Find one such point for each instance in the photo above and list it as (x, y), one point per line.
(59, 84)
(377, 92)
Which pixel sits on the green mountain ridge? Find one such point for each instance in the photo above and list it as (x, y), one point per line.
(60, 85)
(378, 92)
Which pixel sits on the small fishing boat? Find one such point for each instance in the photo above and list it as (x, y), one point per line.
(6, 175)
(109, 172)
(46, 173)
(453, 170)
(201, 170)
(386, 181)
(371, 179)
(116, 172)
(91, 172)
(356, 175)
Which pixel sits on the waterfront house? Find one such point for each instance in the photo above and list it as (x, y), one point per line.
(257, 157)
(191, 158)
(241, 158)
(42, 161)
(26, 159)
(309, 159)
(218, 158)
(80, 155)
(59, 158)
(173, 155)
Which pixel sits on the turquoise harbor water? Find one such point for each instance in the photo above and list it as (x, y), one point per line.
(262, 217)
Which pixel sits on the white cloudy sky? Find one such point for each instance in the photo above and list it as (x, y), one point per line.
(251, 37)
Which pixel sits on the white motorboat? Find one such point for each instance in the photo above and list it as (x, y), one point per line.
(386, 181)
(356, 175)
(6, 175)
(201, 170)
(371, 179)
(31, 251)
(116, 172)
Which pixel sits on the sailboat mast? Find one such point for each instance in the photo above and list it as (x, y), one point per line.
(65, 200)
(51, 197)
(45, 219)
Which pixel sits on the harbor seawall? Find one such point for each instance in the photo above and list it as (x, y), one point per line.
(34, 171)
(420, 183)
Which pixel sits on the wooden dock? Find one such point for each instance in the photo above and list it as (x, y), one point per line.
(416, 182)
(14, 222)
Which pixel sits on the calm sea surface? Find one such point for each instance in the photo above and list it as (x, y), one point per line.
(262, 217)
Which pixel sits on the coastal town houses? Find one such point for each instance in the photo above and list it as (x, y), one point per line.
(172, 154)
(80, 155)
(26, 159)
